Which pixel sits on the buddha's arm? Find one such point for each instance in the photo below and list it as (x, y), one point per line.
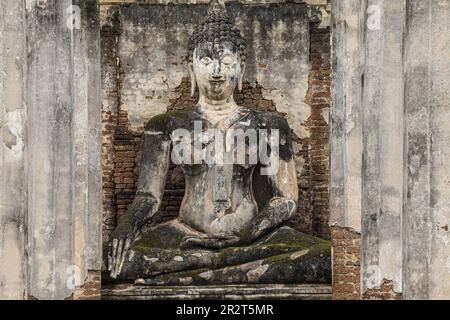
(150, 188)
(280, 207)
(282, 177)
(154, 166)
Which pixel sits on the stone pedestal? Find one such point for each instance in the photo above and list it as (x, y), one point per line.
(235, 292)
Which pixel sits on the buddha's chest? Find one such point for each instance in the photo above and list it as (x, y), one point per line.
(241, 144)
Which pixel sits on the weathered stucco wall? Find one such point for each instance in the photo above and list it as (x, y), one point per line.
(367, 140)
(390, 94)
(348, 19)
(50, 209)
(12, 157)
(153, 44)
(382, 188)
(147, 57)
(426, 236)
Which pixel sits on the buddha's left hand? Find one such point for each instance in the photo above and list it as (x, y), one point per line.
(119, 245)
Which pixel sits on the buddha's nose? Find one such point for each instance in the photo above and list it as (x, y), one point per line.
(217, 72)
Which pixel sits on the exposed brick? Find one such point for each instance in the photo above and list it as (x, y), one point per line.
(91, 290)
(110, 115)
(313, 210)
(346, 263)
(385, 292)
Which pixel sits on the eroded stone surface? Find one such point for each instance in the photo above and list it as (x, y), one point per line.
(284, 256)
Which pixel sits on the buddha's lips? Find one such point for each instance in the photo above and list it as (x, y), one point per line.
(217, 82)
(216, 86)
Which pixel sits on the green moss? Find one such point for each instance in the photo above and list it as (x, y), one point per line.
(284, 241)
(165, 239)
(125, 225)
(323, 248)
(278, 258)
(292, 237)
(169, 237)
(164, 236)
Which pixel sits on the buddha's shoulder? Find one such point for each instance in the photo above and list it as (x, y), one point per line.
(167, 122)
(270, 120)
(275, 121)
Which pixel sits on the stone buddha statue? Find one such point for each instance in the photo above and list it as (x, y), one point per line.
(231, 224)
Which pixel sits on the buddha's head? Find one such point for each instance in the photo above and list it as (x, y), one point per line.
(216, 55)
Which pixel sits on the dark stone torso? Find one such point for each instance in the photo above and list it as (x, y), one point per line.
(215, 190)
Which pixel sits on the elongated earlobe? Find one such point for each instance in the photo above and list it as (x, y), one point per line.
(241, 77)
(193, 79)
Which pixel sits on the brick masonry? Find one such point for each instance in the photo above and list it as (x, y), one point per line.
(319, 98)
(313, 212)
(346, 263)
(91, 290)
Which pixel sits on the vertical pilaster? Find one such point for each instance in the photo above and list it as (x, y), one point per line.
(80, 132)
(50, 144)
(382, 187)
(346, 144)
(86, 130)
(346, 125)
(64, 146)
(417, 214)
(12, 151)
(440, 150)
(426, 216)
(94, 227)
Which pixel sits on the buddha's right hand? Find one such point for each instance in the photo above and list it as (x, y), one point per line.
(122, 239)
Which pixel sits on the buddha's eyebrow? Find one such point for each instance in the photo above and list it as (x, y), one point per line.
(204, 52)
(226, 54)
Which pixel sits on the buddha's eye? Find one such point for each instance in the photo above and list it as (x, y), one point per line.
(227, 60)
(206, 60)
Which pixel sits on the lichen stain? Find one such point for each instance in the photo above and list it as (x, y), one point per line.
(8, 138)
(298, 254)
(11, 132)
(255, 274)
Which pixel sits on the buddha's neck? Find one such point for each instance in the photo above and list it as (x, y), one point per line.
(215, 111)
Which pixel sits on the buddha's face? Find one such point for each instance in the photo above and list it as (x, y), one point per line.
(217, 72)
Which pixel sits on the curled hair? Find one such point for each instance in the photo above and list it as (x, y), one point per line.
(217, 28)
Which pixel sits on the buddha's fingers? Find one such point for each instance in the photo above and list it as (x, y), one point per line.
(119, 256)
(189, 242)
(116, 249)
(113, 256)
(110, 256)
(218, 243)
(221, 243)
(213, 242)
(222, 236)
(187, 238)
(126, 247)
